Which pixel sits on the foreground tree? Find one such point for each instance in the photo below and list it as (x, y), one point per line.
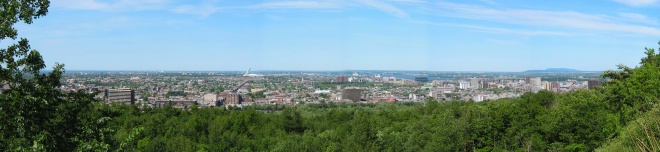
(633, 91)
(35, 114)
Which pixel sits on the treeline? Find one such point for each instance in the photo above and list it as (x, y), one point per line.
(541, 121)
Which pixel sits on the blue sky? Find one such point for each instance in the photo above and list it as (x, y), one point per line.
(480, 35)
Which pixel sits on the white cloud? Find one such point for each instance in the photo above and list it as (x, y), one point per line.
(202, 10)
(299, 5)
(114, 5)
(558, 19)
(385, 7)
(638, 3)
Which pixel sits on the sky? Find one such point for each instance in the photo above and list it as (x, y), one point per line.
(327, 35)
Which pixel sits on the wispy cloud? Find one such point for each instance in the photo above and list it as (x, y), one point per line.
(639, 18)
(81, 4)
(202, 10)
(298, 5)
(558, 19)
(638, 3)
(410, 1)
(491, 2)
(115, 5)
(633, 16)
(391, 9)
(376, 4)
(496, 30)
(512, 31)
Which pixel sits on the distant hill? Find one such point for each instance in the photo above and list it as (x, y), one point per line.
(555, 70)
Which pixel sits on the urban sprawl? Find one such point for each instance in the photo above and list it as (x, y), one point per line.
(237, 89)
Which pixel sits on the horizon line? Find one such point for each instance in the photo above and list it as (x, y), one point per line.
(475, 71)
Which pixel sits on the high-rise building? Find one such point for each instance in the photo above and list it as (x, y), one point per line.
(341, 79)
(547, 85)
(555, 85)
(474, 83)
(527, 80)
(124, 95)
(464, 85)
(535, 81)
(233, 98)
(483, 84)
(352, 94)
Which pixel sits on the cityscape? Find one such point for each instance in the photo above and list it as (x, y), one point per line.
(225, 89)
(329, 75)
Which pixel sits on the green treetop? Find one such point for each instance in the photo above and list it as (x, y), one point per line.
(35, 115)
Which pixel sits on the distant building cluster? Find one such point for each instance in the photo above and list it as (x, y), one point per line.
(187, 89)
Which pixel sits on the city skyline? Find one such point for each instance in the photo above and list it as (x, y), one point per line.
(336, 35)
(347, 71)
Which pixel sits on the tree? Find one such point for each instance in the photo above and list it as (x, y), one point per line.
(36, 115)
(632, 91)
(292, 121)
(363, 132)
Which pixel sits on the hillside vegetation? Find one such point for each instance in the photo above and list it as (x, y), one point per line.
(35, 116)
(642, 134)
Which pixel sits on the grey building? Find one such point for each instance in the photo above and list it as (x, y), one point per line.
(233, 98)
(341, 79)
(124, 95)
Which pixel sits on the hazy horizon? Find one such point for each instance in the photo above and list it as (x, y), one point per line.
(335, 35)
(346, 70)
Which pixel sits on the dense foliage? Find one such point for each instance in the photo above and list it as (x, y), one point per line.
(541, 121)
(642, 134)
(35, 116)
